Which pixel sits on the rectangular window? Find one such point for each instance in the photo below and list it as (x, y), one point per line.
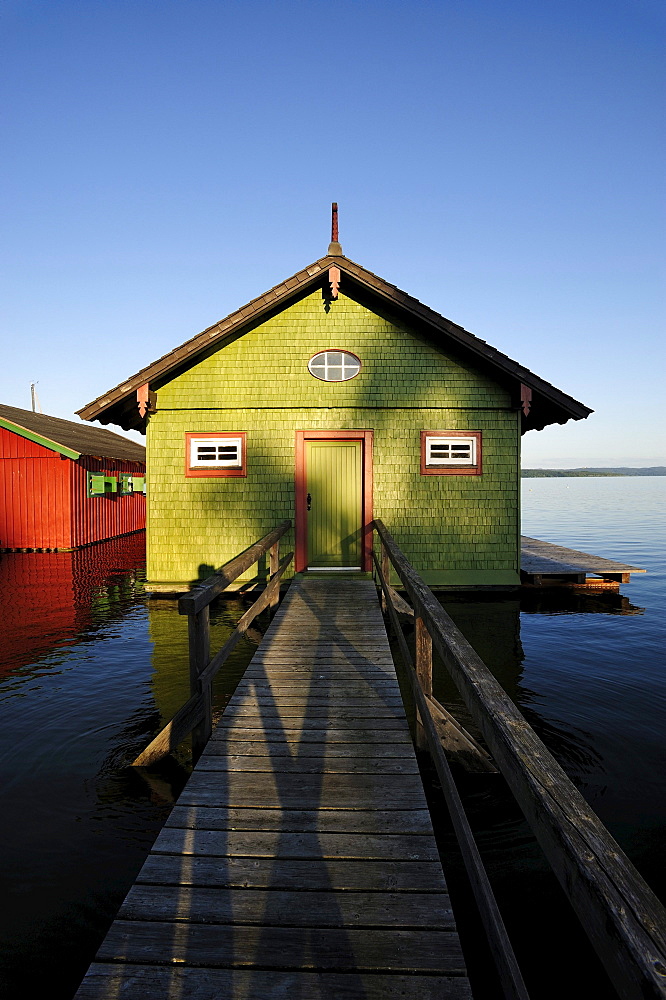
(98, 484)
(450, 453)
(95, 485)
(215, 454)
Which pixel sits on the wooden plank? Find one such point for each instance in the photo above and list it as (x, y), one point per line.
(326, 791)
(313, 723)
(173, 733)
(310, 735)
(285, 908)
(262, 844)
(458, 742)
(320, 680)
(259, 700)
(309, 765)
(274, 749)
(414, 821)
(154, 982)
(220, 946)
(276, 709)
(281, 873)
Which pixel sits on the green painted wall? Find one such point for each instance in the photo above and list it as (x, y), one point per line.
(455, 529)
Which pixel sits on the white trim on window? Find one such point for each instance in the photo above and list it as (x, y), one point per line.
(216, 452)
(334, 366)
(450, 451)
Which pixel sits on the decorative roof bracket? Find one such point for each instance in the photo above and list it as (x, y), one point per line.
(334, 281)
(146, 400)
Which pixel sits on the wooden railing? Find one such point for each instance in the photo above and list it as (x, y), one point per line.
(623, 918)
(196, 714)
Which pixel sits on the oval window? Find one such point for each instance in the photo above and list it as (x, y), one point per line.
(334, 366)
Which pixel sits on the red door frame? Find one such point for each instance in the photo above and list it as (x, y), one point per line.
(301, 491)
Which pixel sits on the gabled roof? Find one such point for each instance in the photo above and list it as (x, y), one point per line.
(549, 405)
(68, 438)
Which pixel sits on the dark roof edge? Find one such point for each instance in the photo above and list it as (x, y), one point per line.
(69, 438)
(299, 282)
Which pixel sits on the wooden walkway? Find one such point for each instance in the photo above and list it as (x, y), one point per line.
(299, 861)
(543, 563)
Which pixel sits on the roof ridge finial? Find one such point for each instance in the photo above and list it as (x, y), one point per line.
(334, 248)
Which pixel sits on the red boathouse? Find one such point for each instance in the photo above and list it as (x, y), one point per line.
(64, 484)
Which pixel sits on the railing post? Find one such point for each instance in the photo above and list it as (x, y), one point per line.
(274, 562)
(198, 628)
(386, 572)
(423, 667)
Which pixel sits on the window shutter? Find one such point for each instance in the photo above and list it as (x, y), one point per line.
(95, 485)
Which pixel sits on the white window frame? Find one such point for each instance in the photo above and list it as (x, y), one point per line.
(216, 442)
(451, 464)
(356, 367)
(233, 465)
(452, 443)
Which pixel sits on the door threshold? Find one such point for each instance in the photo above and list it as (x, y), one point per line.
(334, 569)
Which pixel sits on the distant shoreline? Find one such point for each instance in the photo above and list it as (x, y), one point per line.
(655, 470)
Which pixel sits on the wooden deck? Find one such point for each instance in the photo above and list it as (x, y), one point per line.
(300, 859)
(545, 564)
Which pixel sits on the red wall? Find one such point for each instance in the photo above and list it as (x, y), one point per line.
(35, 510)
(43, 502)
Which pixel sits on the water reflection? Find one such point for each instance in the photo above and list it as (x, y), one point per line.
(50, 599)
(568, 601)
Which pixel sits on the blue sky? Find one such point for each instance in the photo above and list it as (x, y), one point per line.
(164, 162)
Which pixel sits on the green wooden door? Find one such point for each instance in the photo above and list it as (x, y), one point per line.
(335, 495)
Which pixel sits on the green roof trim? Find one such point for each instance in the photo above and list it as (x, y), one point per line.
(38, 439)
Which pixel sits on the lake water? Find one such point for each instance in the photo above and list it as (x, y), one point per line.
(89, 666)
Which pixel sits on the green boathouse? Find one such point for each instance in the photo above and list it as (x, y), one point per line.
(331, 399)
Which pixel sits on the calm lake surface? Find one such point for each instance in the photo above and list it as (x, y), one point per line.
(89, 667)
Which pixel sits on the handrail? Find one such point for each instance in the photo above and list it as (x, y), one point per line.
(196, 715)
(623, 918)
(203, 593)
(506, 963)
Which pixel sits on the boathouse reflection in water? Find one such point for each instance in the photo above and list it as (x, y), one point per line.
(53, 599)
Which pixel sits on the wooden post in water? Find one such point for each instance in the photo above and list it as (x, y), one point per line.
(274, 562)
(423, 667)
(198, 626)
(386, 573)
